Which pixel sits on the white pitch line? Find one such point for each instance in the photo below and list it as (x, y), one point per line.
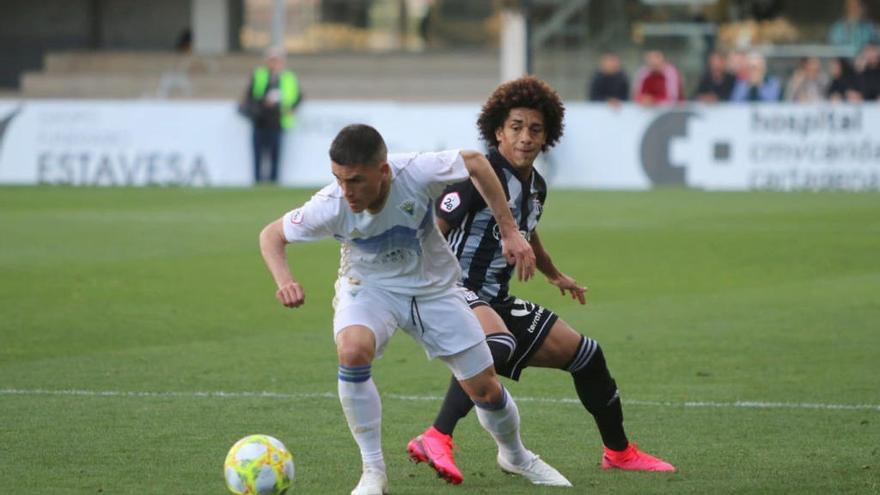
(122, 393)
(689, 404)
(332, 395)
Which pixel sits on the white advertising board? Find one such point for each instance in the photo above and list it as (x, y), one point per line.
(109, 143)
(718, 147)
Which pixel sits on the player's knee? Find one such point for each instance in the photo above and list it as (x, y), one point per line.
(492, 395)
(592, 380)
(484, 389)
(501, 345)
(589, 360)
(355, 346)
(354, 354)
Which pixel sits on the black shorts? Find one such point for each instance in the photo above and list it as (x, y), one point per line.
(529, 323)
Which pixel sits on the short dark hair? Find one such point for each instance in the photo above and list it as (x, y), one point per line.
(358, 144)
(525, 92)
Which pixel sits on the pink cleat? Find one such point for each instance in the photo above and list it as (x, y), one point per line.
(435, 448)
(633, 459)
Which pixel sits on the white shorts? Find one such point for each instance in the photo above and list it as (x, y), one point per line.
(442, 323)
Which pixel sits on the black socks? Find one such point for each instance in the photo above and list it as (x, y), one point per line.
(598, 393)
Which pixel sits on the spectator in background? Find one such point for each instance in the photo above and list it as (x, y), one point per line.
(737, 64)
(658, 82)
(425, 22)
(609, 83)
(808, 83)
(868, 70)
(844, 84)
(717, 82)
(853, 30)
(758, 86)
(268, 102)
(183, 43)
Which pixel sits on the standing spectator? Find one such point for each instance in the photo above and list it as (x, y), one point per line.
(658, 82)
(183, 44)
(868, 69)
(717, 82)
(609, 82)
(853, 30)
(758, 86)
(844, 84)
(268, 102)
(808, 83)
(737, 64)
(425, 22)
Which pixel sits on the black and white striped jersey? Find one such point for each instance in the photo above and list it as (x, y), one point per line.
(474, 236)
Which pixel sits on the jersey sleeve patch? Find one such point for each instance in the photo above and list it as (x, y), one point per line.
(450, 202)
(297, 216)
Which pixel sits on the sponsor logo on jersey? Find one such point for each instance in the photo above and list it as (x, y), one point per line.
(407, 207)
(470, 296)
(356, 233)
(296, 217)
(450, 202)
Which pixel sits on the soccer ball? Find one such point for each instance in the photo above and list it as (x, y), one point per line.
(258, 465)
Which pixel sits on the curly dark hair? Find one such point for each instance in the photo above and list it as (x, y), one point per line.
(525, 92)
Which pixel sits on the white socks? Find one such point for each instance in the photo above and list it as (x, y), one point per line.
(363, 411)
(502, 422)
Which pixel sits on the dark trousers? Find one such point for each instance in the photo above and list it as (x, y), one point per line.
(266, 140)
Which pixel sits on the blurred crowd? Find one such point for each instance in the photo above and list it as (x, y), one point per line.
(742, 75)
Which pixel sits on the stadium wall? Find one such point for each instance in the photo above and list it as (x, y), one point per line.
(718, 147)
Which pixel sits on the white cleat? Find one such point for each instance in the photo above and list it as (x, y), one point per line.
(372, 483)
(534, 470)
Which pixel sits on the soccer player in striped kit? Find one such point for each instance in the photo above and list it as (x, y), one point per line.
(521, 119)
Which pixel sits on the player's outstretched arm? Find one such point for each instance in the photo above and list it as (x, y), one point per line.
(272, 247)
(562, 281)
(514, 247)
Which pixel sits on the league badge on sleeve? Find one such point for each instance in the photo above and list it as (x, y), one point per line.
(450, 202)
(296, 217)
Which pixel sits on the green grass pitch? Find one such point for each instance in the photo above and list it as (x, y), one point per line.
(734, 323)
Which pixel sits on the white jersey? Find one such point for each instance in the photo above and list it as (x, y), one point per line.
(400, 248)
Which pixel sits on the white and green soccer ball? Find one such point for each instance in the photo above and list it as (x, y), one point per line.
(258, 465)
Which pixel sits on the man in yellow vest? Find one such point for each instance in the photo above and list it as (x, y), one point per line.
(271, 96)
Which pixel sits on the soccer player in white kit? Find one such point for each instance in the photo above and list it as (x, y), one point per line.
(397, 271)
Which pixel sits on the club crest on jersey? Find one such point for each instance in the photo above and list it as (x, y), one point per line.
(296, 217)
(407, 207)
(450, 202)
(536, 205)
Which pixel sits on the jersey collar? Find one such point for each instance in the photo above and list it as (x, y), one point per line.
(497, 160)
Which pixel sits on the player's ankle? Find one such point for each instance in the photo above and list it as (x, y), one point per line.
(515, 457)
(616, 449)
(374, 465)
(434, 432)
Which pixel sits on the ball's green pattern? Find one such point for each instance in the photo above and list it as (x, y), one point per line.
(258, 465)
